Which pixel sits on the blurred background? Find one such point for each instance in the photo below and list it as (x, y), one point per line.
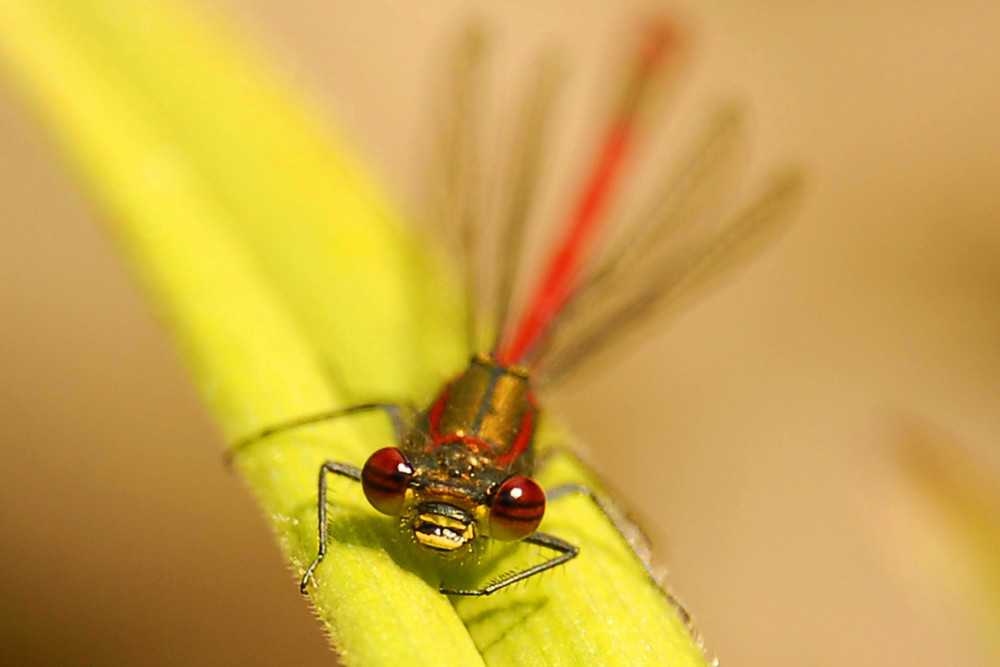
(792, 443)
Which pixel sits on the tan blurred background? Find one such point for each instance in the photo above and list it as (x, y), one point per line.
(751, 436)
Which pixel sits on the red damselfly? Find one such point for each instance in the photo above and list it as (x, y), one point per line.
(462, 468)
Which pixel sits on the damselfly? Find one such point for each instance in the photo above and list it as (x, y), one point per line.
(462, 468)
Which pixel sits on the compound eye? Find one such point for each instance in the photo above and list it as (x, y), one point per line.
(384, 480)
(517, 509)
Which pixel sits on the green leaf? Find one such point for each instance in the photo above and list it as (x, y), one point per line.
(290, 287)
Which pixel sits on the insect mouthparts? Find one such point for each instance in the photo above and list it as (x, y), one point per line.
(443, 527)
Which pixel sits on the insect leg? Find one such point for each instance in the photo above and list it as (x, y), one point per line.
(632, 534)
(566, 553)
(629, 532)
(397, 414)
(348, 471)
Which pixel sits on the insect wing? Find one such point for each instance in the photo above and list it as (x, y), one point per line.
(681, 274)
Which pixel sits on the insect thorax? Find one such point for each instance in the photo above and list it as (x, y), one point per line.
(489, 409)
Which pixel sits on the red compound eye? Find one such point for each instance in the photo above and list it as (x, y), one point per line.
(384, 480)
(517, 509)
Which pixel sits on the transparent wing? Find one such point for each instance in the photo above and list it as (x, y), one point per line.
(528, 149)
(697, 189)
(482, 177)
(650, 66)
(454, 182)
(663, 279)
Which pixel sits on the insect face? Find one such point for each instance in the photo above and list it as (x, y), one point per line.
(443, 518)
(447, 517)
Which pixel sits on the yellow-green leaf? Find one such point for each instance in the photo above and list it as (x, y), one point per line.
(290, 287)
(959, 519)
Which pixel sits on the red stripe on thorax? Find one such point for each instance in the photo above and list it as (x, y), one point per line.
(525, 435)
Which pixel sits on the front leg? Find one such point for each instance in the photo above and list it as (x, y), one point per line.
(566, 551)
(345, 470)
(400, 417)
(619, 517)
(627, 529)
